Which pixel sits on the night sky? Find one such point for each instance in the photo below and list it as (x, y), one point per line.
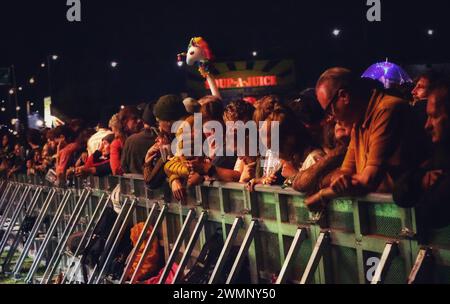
(144, 37)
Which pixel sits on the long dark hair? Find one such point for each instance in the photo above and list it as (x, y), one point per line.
(294, 138)
(128, 112)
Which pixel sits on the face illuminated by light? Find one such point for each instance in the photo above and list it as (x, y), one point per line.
(342, 131)
(421, 90)
(164, 126)
(5, 141)
(105, 148)
(132, 124)
(437, 124)
(337, 105)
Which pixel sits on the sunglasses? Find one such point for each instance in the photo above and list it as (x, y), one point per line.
(330, 109)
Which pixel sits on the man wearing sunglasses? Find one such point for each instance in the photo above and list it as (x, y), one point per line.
(373, 157)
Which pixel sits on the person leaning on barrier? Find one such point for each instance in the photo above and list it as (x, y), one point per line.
(79, 163)
(18, 161)
(177, 170)
(427, 188)
(137, 145)
(97, 164)
(48, 152)
(227, 168)
(6, 153)
(34, 141)
(96, 139)
(211, 109)
(123, 124)
(269, 163)
(373, 158)
(167, 110)
(73, 154)
(6, 146)
(65, 146)
(34, 162)
(33, 150)
(336, 137)
(295, 146)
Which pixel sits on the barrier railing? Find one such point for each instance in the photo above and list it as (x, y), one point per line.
(356, 240)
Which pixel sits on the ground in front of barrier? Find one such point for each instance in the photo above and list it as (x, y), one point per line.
(9, 279)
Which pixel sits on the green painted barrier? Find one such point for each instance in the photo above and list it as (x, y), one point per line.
(357, 231)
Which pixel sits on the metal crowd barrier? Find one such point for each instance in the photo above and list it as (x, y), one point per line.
(356, 240)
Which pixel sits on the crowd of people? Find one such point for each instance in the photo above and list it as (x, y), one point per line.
(348, 136)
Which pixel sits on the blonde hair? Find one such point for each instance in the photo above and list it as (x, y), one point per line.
(114, 123)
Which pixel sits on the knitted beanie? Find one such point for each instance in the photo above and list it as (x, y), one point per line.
(170, 108)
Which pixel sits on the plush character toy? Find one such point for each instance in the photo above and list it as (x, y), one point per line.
(200, 54)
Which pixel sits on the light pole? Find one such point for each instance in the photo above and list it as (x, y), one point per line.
(50, 58)
(28, 105)
(14, 90)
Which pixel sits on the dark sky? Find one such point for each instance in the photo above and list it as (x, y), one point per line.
(145, 36)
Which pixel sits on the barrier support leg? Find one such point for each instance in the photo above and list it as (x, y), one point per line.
(216, 274)
(422, 270)
(248, 239)
(15, 215)
(158, 223)
(109, 239)
(117, 239)
(390, 250)
(73, 263)
(5, 194)
(9, 204)
(88, 243)
(300, 235)
(19, 235)
(190, 246)
(176, 248)
(34, 231)
(59, 251)
(48, 236)
(322, 244)
(139, 242)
